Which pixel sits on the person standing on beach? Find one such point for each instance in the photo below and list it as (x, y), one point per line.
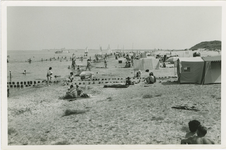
(73, 64)
(105, 63)
(88, 66)
(49, 75)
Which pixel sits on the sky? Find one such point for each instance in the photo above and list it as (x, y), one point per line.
(145, 27)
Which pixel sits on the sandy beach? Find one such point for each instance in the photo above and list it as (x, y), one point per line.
(139, 114)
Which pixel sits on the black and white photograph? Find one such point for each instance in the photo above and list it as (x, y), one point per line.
(112, 73)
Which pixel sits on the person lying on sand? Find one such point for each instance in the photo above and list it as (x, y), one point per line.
(86, 75)
(193, 126)
(199, 139)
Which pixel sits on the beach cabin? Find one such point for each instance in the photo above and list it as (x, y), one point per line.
(150, 63)
(199, 70)
(190, 69)
(212, 70)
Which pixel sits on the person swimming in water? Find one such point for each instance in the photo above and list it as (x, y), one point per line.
(24, 72)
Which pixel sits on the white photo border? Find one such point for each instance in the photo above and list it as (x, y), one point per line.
(5, 4)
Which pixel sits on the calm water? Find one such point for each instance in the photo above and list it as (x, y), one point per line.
(36, 70)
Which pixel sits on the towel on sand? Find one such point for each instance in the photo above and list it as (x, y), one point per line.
(116, 86)
(185, 108)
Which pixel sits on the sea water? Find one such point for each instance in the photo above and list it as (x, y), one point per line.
(37, 69)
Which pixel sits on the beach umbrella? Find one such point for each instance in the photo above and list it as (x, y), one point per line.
(172, 59)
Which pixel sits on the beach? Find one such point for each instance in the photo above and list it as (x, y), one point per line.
(139, 114)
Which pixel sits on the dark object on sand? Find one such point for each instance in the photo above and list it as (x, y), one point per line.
(72, 99)
(147, 70)
(116, 86)
(7, 92)
(185, 108)
(84, 95)
(74, 112)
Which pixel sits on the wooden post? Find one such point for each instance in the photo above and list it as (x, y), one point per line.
(8, 92)
(10, 76)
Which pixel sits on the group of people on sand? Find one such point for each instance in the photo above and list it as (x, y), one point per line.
(151, 79)
(196, 135)
(74, 91)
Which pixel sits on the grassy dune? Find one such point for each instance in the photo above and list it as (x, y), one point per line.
(138, 114)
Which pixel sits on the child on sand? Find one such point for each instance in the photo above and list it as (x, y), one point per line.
(199, 139)
(193, 126)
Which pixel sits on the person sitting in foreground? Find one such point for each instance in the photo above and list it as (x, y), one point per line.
(71, 93)
(199, 139)
(193, 126)
(151, 79)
